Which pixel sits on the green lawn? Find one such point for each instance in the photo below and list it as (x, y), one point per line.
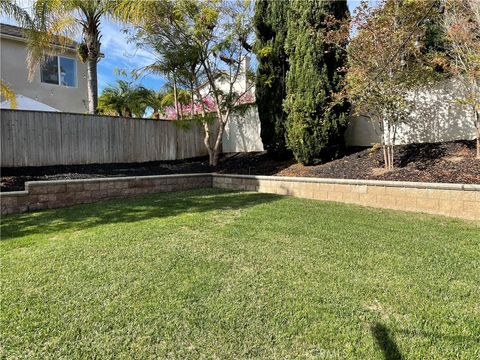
(232, 275)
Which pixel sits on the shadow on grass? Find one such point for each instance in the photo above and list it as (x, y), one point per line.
(386, 343)
(129, 209)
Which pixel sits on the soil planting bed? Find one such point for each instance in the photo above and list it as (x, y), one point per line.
(452, 162)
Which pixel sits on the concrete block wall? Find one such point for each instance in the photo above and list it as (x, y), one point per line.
(61, 193)
(455, 200)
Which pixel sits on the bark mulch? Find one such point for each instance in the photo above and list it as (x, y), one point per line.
(452, 162)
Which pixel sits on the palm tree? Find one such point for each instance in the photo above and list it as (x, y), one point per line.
(8, 94)
(11, 9)
(155, 100)
(54, 22)
(177, 98)
(124, 99)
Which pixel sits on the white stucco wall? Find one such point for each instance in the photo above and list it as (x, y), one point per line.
(242, 132)
(435, 117)
(13, 69)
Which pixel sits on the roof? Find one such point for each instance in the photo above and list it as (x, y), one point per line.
(13, 31)
(26, 103)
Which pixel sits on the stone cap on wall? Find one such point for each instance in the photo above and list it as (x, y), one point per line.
(406, 184)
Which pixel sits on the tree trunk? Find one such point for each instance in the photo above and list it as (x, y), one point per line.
(386, 150)
(477, 126)
(192, 101)
(385, 156)
(92, 86)
(156, 113)
(391, 156)
(91, 37)
(218, 143)
(206, 142)
(478, 143)
(175, 95)
(214, 159)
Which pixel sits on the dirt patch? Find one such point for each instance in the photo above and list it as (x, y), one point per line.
(452, 162)
(379, 171)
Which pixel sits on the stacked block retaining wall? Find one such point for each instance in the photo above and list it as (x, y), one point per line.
(455, 200)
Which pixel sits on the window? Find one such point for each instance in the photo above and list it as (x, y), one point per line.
(50, 71)
(59, 70)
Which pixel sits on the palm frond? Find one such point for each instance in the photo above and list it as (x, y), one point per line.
(7, 93)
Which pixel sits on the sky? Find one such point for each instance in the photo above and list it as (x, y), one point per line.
(120, 53)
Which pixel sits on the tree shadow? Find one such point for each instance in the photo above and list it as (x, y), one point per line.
(425, 153)
(128, 210)
(386, 343)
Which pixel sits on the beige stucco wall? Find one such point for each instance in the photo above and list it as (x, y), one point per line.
(242, 132)
(13, 69)
(436, 116)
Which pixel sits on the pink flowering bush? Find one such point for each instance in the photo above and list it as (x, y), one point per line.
(208, 103)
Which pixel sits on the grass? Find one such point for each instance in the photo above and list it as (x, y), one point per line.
(217, 274)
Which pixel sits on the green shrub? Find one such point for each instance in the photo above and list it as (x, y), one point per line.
(315, 125)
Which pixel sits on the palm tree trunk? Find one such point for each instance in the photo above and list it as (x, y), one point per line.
(91, 39)
(92, 86)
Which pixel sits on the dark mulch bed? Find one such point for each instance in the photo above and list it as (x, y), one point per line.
(259, 163)
(452, 162)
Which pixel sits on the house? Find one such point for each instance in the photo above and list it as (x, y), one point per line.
(59, 84)
(242, 131)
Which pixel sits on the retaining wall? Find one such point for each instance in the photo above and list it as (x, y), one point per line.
(455, 200)
(61, 193)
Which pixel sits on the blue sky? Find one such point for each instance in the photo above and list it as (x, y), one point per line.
(120, 53)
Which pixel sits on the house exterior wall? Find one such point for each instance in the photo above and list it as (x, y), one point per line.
(242, 132)
(436, 117)
(14, 72)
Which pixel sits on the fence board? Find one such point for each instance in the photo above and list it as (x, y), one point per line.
(32, 138)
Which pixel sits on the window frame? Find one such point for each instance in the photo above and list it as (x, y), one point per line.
(59, 72)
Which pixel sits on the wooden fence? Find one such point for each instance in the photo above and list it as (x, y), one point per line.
(34, 138)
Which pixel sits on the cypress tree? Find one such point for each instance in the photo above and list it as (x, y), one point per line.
(315, 125)
(270, 21)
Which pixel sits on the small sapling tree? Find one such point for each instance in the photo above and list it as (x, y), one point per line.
(462, 25)
(386, 60)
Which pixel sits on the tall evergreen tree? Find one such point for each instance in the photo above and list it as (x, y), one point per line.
(315, 124)
(270, 21)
